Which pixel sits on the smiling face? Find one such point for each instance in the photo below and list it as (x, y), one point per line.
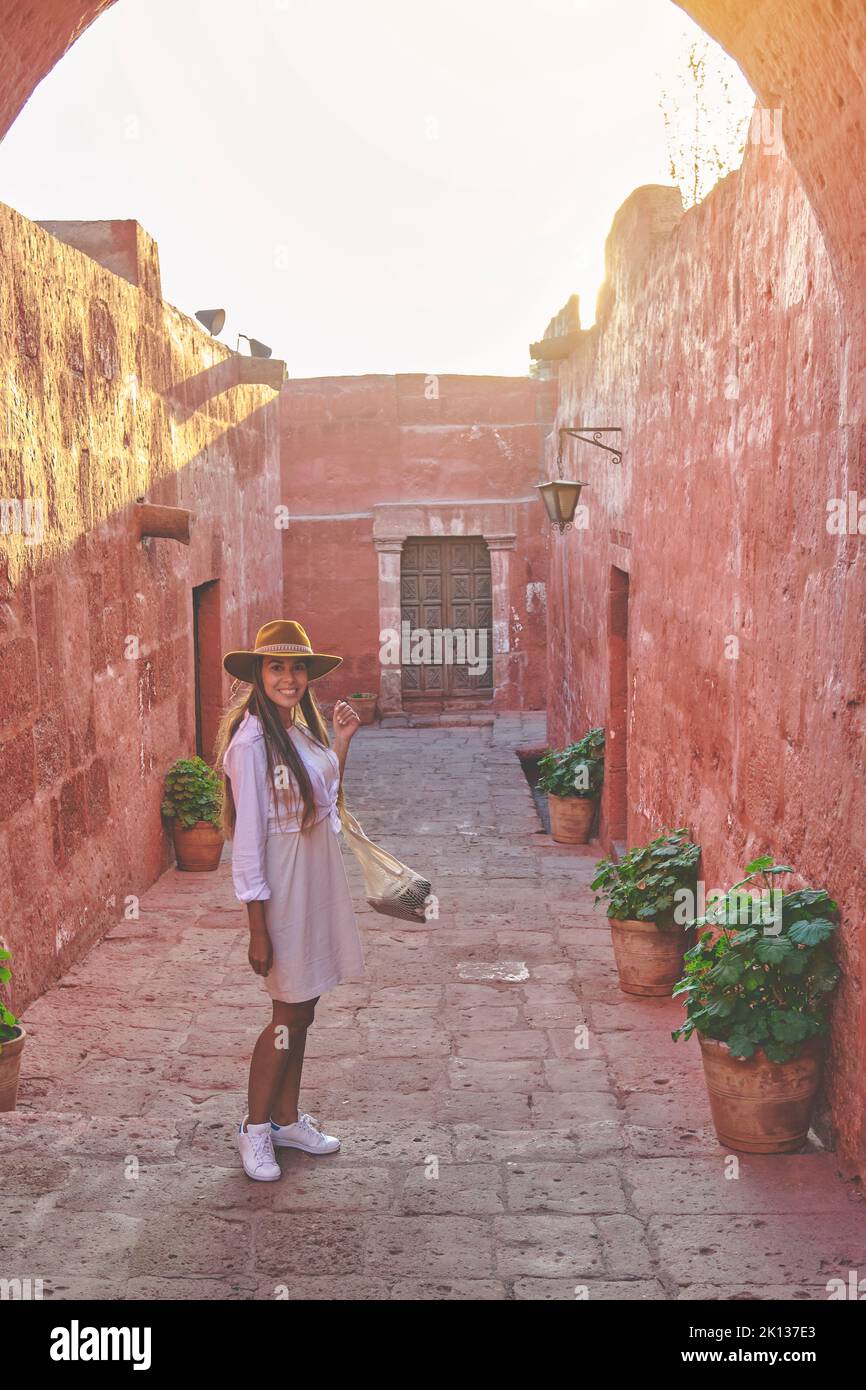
(285, 680)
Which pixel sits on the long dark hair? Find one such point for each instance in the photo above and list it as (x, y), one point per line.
(280, 750)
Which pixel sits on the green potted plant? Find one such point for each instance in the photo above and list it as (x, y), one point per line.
(12, 1035)
(756, 989)
(640, 890)
(364, 701)
(572, 778)
(193, 801)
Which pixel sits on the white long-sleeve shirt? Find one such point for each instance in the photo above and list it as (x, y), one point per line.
(246, 764)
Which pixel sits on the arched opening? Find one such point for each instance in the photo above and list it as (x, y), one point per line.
(778, 610)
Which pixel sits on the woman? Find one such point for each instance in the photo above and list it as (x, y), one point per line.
(281, 808)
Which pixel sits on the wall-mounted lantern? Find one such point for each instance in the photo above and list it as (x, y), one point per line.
(560, 499)
(562, 495)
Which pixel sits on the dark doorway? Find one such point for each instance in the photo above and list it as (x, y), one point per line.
(616, 746)
(207, 664)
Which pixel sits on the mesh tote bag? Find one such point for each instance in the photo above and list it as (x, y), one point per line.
(391, 887)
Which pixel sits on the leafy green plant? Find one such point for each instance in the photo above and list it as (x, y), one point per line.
(754, 983)
(641, 885)
(193, 792)
(577, 770)
(8, 1022)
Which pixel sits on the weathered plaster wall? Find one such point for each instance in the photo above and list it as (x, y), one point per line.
(109, 394)
(368, 458)
(720, 350)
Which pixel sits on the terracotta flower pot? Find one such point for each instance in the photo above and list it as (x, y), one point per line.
(571, 818)
(366, 707)
(198, 849)
(649, 960)
(759, 1106)
(10, 1069)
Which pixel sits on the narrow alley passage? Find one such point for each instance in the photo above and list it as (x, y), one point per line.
(491, 1149)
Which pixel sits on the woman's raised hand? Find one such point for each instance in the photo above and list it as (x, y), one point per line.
(346, 721)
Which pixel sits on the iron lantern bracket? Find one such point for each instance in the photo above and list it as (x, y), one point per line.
(595, 431)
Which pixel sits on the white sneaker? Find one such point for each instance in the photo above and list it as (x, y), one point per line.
(302, 1135)
(257, 1151)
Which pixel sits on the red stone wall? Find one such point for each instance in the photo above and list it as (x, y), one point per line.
(720, 350)
(109, 394)
(464, 461)
(123, 247)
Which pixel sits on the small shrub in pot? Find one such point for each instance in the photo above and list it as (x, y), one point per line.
(12, 1036)
(193, 800)
(640, 890)
(572, 777)
(756, 989)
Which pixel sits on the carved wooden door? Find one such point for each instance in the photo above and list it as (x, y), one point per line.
(445, 588)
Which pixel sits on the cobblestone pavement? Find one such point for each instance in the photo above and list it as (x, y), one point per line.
(484, 1155)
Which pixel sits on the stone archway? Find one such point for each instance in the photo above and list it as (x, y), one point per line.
(34, 38)
(805, 56)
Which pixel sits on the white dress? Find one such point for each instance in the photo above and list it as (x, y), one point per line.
(299, 876)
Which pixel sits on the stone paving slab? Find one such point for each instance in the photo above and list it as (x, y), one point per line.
(513, 1126)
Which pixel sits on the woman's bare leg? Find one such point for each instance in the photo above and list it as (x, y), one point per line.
(284, 1106)
(274, 1047)
(284, 1102)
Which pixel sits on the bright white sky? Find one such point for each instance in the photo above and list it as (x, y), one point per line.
(366, 185)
